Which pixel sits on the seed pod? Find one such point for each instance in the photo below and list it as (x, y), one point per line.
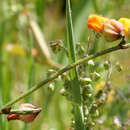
(25, 117)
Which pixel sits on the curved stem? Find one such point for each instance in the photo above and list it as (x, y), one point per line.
(61, 71)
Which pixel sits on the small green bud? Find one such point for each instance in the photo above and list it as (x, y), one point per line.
(97, 76)
(86, 111)
(89, 87)
(85, 118)
(72, 123)
(91, 63)
(93, 123)
(86, 80)
(119, 67)
(106, 65)
(56, 45)
(51, 71)
(51, 88)
(63, 91)
(96, 113)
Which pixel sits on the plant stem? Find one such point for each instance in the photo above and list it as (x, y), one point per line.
(61, 71)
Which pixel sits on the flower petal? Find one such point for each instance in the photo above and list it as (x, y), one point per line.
(96, 22)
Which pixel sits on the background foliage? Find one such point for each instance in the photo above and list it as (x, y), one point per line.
(19, 70)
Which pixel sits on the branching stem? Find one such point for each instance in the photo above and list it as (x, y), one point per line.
(61, 71)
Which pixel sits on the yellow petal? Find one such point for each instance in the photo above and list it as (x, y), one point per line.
(126, 24)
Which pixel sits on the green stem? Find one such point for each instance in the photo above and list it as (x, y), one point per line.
(61, 71)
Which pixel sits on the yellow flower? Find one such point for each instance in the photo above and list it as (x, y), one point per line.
(126, 25)
(96, 22)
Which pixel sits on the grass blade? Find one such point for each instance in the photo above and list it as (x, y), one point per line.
(76, 97)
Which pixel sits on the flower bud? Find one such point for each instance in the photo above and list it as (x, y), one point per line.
(113, 30)
(96, 22)
(25, 117)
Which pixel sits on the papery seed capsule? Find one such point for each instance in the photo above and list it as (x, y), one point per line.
(26, 117)
(29, 117)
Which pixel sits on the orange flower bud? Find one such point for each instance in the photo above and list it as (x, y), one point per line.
(96, 22)
(112, 30)
(126, 25)
(24, 117)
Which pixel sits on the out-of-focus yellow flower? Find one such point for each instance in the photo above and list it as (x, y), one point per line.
(96, 22)
(110, 96)
(126, 24)
(100, 85)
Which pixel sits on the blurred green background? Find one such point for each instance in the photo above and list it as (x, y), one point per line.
(20, 71)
